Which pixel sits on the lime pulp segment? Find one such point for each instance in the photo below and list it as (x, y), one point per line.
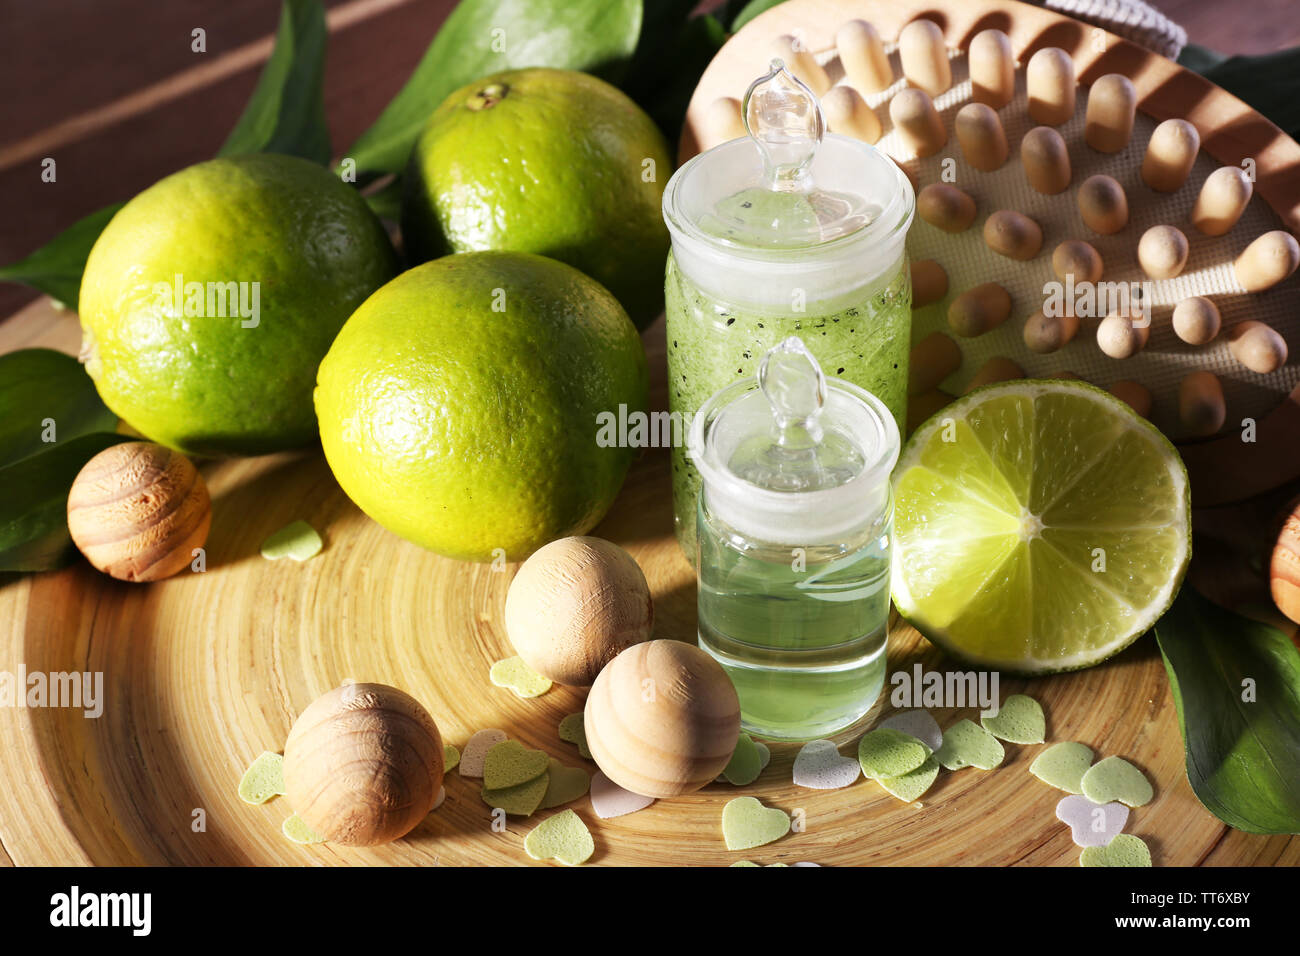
(1040, 526)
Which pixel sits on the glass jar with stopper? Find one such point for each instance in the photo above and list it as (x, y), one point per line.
(789, 231)
(794, 521)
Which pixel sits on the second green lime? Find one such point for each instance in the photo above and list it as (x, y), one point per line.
(548, 161)
(458, 407)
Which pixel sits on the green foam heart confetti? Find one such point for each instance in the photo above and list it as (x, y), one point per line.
(746, 823)
(885, 752)
(911, 786)
(1114, 778)
(564, 784)
(298, 540)
(521, 800)
(1020, 720)
(573, 731)
(746, 763)
(514, 674)
(299, 832)
(510, 763)
(562, 837)
(966, 744)
(1124, 850)
(263, 779)
(450, 757)
(1063, 765)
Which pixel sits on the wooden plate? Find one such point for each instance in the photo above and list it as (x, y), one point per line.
(1230, 130)
(204, 671)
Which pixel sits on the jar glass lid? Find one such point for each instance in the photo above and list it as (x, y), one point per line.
(787, 185)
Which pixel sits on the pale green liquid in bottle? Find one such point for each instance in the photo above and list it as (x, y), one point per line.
(788, 280)
(803, 643)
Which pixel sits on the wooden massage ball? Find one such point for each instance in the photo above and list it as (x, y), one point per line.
(1196, 320)
(1112, 106)
(981, 137)
(1284, 565)
(862, 54)
(662, 719)
(913, 114)
(1136, 395)
(848, 114)
(1221, 201)
(1170, 155)
(1013, 234)
(1049, 80)
(997, 369)
(945, 207)
(363, 764)
(992, 69)
(924, 57)
(138, 510)
(1267, 261)
(801, 62)
(1077, 258)
(1162, 252)
(1046, 160)
(1201, 407)
(574, 606)
(1103, 205)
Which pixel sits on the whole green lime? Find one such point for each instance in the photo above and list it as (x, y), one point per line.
(459, 405)
(548, 161)
(211, 297)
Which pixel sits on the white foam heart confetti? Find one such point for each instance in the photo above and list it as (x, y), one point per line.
(475, 752)
(919, 724)
(1091, 824)
(609, 800)
(821, 766)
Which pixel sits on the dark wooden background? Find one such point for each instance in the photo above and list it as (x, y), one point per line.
(113, 92)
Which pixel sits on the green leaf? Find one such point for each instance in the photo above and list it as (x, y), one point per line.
(486, 36)
(386, 201)
(56, 267)
(1243, 756)
(286, 113)
(34, 506)
(751, 10)
(44, 393)
(1269, 83)
(662, 85)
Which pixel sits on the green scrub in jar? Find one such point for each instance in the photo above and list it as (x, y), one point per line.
(789, 232)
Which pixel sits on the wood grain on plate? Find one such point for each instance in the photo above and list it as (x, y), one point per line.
(204, 671)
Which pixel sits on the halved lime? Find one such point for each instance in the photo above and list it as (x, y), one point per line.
(1040, 526)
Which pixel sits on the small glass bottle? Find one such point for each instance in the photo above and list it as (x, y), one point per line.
(789, 231)
(794, 526)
